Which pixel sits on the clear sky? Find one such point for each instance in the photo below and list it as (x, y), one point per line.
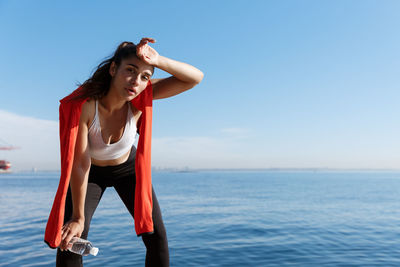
(287, 83)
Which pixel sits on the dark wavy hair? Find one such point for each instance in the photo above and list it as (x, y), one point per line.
(98, 84)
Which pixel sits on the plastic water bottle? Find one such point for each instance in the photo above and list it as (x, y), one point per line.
(82, 247)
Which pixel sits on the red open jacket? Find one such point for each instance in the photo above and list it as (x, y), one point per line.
(70, 112)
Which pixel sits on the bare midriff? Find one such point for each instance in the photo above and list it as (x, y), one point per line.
(111, 162)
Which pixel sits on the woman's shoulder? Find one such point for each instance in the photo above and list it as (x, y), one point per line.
(88, 111)
(135, 112)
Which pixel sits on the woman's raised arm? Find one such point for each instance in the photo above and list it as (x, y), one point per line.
(184, 76)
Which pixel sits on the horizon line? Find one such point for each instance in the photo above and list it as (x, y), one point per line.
(277, 169)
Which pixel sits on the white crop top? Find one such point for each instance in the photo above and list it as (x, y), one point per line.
(102, 151)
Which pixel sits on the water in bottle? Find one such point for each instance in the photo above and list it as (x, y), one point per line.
(82, 247)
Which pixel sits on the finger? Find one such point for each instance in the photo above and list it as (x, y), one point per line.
(139, 52)
(65, 230)
(65, 226)
(143, 42)
(61, 246)
(67, 239)
(140, 49)
(64, 233)
(151, 40)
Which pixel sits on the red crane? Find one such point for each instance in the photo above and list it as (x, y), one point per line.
(5, 165)
(7, 147)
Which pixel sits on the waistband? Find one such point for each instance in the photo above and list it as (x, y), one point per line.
(123, 169)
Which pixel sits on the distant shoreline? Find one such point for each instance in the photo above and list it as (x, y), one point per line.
(275, 170)
(183, 170)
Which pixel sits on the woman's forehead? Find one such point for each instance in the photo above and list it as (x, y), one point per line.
(138, 64)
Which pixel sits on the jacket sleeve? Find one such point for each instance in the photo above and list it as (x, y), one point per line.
(69, 113)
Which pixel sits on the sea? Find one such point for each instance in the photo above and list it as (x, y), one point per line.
(224, 218)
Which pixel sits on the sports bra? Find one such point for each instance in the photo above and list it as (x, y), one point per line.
(102, 151)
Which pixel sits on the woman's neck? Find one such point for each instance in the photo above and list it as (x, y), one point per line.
(112, 103)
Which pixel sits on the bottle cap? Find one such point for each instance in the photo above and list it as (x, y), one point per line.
(94, 251)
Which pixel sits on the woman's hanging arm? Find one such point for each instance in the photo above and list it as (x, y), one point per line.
(78, 182)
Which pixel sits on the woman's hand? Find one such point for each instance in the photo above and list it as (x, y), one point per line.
(69, 230)
(147, 53)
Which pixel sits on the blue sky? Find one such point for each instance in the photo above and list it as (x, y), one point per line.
(287, 83)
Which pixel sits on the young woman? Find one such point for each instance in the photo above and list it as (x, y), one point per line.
(98, 126)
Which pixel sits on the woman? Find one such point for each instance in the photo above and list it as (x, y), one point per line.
(98, 125)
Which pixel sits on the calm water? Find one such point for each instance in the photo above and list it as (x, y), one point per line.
(224, 219)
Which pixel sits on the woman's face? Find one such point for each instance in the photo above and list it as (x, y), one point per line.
(131, 77)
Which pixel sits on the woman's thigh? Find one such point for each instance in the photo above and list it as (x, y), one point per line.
(125, 188)
(93, 195)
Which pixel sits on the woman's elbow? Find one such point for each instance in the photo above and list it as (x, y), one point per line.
(199, 77)
(81, 164)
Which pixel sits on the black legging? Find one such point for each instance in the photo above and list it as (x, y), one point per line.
(122, 178)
